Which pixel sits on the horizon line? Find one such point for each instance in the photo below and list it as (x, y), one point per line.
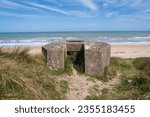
(77, 31)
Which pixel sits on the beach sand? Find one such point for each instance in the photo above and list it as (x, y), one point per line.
(130, 51)
(123, 51)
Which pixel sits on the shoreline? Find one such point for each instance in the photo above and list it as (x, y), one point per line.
(122, 51)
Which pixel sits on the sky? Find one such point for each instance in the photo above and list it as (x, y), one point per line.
(74, 15)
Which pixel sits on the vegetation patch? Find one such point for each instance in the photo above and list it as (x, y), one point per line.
(68, 65)
(64, 86)
(23, 76)
(135, 80)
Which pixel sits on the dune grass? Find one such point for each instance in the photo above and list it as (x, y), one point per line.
(23, 76)
(134, 80)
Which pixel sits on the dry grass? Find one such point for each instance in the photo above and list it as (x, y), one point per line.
(134, 77)
(23, 76)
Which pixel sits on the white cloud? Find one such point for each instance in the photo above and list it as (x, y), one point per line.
(65, 12)
(89, 4)
(30, 5)
(10, 4)
(49, 8)
(19, 15)
(118, 3)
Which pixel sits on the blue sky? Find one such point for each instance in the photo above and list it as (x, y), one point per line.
(74, 15)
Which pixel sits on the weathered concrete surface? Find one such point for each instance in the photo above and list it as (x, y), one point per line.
(55, 55)
(96, 55)
(74, 46)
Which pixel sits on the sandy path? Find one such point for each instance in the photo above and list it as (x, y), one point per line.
(80, 85)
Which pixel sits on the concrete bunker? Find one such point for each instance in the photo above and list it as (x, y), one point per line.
(89, 57)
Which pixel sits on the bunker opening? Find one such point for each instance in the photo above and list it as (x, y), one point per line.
(75, 51)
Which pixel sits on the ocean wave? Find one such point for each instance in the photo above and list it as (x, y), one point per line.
(29, 41)
(38, 41)
(22, 44)
(139, 37)
(71, 38)
(130, 43)
(147, 37)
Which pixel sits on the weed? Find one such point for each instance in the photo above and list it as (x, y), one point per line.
(68, 65)
(64, 86)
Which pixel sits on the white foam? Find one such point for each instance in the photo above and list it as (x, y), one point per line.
(45, 40)
(29, 41)
(71, 38)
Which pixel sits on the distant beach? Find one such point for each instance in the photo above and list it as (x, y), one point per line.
(123, 44)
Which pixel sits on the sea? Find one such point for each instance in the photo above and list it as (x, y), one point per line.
(42, 38)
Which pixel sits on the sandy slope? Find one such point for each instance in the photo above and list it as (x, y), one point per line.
(80, 86)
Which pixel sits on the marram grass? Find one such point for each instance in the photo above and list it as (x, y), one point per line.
(23, 76)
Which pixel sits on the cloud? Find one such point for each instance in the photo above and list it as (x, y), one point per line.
(121, 3)
(49, 8)
(3, 13)
(10, 4)
(61, 11)
(109, 8)
(89, 4)
(36, 5)
(126, 10)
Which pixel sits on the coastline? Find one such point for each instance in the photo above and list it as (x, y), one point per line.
(122, 51)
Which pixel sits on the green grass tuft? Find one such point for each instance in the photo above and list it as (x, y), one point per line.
(23, 76)
(64, 86)
(68, 65)
(134, 76)
(142, 64)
